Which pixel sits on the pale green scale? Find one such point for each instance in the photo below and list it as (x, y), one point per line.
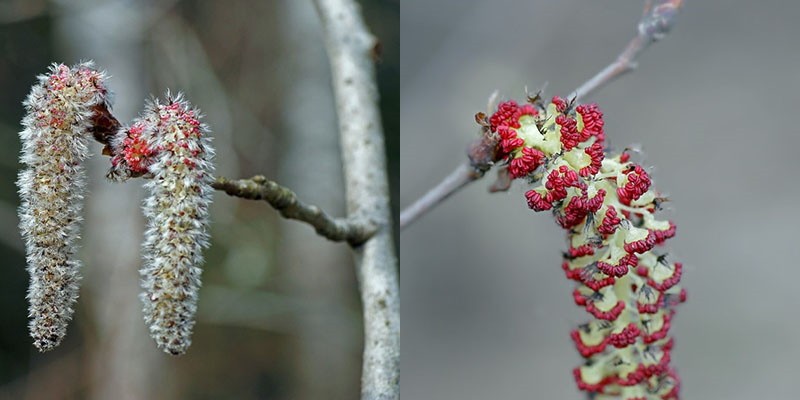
(547, 140)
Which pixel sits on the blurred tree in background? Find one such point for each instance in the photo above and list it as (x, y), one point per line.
(279, 314)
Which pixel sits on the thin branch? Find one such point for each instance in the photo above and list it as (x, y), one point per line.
(352, 51)
(657, 20)
(289, 206)
(457, 179)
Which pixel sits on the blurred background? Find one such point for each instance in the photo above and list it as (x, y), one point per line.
(279, 313)
(487, 310)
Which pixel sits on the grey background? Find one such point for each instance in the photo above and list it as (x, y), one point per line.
(486, 307)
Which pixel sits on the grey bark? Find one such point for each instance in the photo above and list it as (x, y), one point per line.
(351, 50)
(328, 345)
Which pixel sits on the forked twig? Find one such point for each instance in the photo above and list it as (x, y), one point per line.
(286, 202)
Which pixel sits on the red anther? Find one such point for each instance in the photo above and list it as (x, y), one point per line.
(633, 378)
(592, 121)
(673, 280)
(559, 180)
(611, 269)
(593, 205)
(136, 151)
(624, 157)
(172, 106)
(527, 162)
(663, 364)
(579, 298)
(583, 348)
(642, 271)
(609, 315)
(657, 369)
(641, 246)
(651, 308)
(673, 394)
(595, 388)
(573, 213)
(666, 347)
(561, 104)
(645, 372)
(594, 284)
(536, 202)
(630, 260)
(190, 118)
(528, 109)
(596, 153)
(586, 277)
(511, 144)
(573, 274)
(610, 222)
(683, 296)
(625, 338)
(625, 263)
(505, 132)
(582, 250)
(506, 111)
(663, 235)
(570, 137)
(659, 334)
(638, 183)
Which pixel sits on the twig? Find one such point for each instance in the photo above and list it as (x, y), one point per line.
(657, 19)
(352, 50)
(287, 203)
(457, 179)
(656, 22)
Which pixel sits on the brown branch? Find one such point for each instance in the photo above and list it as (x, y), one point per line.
(290, 207)
(657, 20)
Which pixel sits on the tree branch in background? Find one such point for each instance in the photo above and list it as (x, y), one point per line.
(287, 203)
(657, 20)
(352, 50)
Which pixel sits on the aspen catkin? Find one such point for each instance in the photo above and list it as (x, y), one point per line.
(58, 125)
(608, 207)
(168, 145)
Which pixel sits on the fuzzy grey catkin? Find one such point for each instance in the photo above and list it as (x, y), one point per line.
(58, 125)
(168, 145)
